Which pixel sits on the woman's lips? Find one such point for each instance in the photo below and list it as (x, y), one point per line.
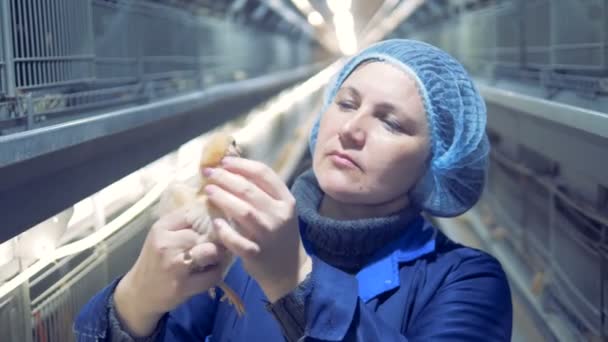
(343, 160)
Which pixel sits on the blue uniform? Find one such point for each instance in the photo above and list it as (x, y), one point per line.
(422, 287)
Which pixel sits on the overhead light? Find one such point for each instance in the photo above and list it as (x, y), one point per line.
(344, 21)
(303, 5)
(345, 25)
(347, 43)
(337, 6)
(315, 18)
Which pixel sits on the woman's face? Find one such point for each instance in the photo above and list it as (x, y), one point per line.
(373, 140)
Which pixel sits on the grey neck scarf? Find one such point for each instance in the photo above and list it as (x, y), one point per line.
(345, 244)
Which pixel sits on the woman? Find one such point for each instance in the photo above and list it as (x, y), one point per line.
(346, 255)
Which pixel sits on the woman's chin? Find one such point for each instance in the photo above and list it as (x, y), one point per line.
(340, 186)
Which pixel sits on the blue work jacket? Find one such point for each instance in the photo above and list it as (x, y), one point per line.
(422, 287)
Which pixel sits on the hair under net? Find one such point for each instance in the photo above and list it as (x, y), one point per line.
(456, 115)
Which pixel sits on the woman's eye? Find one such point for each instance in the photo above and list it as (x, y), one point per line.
(392, 125)
(346, 105)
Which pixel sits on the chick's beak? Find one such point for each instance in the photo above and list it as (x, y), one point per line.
(234, 150)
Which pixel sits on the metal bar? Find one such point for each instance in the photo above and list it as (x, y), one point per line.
(62, 333)
(27, 28)
(78, 23)
(91, 70)
(29, 111)
(7, 29)
(75, 40)
(57, 38)
(50, 40)
(69, 43)
(76, 109)
(80, 35)
(56, 308)
(27, 326)
(39, 67)
(46, 140)
(587, 120)
(64, 20)
(51, 319)
(20, 37)
(59, 84)
(56, 58)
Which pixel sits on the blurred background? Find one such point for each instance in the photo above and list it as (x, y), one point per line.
(102, 102)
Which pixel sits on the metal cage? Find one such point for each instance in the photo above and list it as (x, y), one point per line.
(67, 59)
(52, 42)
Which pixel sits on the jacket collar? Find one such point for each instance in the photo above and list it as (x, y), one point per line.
(381, 274)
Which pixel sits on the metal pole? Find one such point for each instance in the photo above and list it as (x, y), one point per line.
(7, 29)
(29, 111)
(90, 47)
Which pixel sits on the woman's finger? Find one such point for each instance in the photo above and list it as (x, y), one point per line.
(241, 187)
(206, 254)
(260, 174)
(233, 241)
(181, 239)
(246, 216)
(174, 220)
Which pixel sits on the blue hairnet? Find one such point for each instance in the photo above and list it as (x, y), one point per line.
(456, 115)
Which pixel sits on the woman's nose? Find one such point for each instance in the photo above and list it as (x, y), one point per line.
(353, 132)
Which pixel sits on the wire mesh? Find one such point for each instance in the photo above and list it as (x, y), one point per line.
(13, 308)
(69, 57)
(555, 44)
(537, 30)
(508, 35)
(587, 85)
(577, 268)
(56, 107)
(117, 52)
(52, 42)
(170, 42)
(554, 235)
(579, 34)
(11, 117)
(54, 311)
(124, 247)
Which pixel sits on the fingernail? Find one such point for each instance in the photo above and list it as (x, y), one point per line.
(207, 171)
(209, 190)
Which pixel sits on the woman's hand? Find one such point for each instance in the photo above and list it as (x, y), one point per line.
(266, 234)
(160, 280)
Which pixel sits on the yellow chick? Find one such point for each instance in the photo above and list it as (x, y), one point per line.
(200, 212)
